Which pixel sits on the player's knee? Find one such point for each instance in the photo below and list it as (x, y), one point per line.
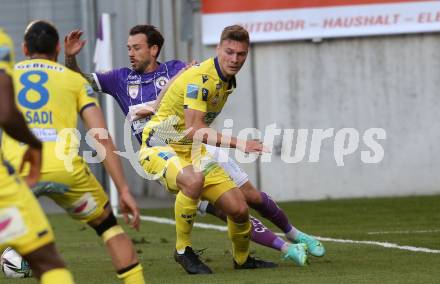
(192, 184)
(239, 212)
(252, 196)
(108, 228)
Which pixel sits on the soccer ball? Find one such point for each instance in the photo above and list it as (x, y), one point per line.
(13, 265)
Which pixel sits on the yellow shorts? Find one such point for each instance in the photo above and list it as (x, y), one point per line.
(23, 224)
(163, 163)
(85, 198)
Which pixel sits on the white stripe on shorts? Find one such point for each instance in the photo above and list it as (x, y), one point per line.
(237, 174)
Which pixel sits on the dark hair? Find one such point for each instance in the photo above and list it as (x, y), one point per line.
(236, 33)
(41, 37)
(154, 37)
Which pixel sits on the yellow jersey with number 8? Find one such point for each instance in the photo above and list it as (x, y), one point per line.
(50, 96)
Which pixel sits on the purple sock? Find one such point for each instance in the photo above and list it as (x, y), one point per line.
(270, 210)
(263, 236)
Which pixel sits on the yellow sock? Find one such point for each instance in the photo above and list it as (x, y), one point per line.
(185, 209)
(57, 276)
(133, 276)
(239, 233)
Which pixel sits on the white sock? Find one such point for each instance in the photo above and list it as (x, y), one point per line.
(201, 207)
(285, 247)
(291, 235)
(180, 251)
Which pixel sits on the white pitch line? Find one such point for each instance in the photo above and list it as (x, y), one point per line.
(161, 220)
(404, 232)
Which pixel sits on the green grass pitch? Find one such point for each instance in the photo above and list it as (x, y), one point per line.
(354, 219)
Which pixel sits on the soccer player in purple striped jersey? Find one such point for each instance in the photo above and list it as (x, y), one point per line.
(137, 89)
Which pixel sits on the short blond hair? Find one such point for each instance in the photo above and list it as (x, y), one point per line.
(236, 33)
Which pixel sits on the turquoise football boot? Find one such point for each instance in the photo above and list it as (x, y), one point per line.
(314, 247)
(297, 253)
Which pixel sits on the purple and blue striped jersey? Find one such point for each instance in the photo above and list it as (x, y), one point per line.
(132, 89)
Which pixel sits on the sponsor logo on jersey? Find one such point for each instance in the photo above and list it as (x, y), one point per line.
(133, 90)
(166, 155)
(205, 94)
(192, 91)
(39, 65)
(89, 90)
(45, 134)
(161, 82)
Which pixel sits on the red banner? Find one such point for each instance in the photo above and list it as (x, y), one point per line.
(230, 6)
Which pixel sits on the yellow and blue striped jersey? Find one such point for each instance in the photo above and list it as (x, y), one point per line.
(50, 96)
(202, 87)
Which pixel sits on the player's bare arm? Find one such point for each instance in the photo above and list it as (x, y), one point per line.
(148, 110)
(14, 125)
(72, 47)
(198, 130)
(94, 118)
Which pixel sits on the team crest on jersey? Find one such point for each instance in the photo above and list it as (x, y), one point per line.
(204, 78)
(133, 90)
(161, 82)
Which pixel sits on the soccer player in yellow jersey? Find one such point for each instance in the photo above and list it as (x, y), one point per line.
(172, 152)
(148, 76)
(50, 96)
(23, 224)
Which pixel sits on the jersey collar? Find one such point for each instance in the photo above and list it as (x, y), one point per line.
(157, 70)
(231, 82)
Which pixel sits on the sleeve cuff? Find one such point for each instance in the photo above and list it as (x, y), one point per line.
(97, 81)
(86, 106)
